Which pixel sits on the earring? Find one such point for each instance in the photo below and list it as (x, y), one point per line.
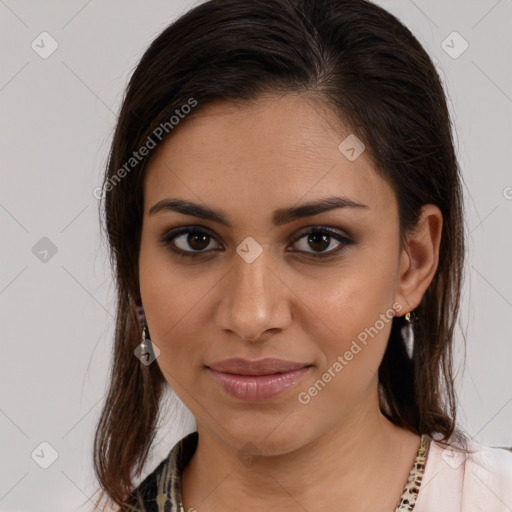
(408, 333)
(147, 351)
(410, 318)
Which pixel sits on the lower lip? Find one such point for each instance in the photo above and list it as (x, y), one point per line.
(257, 388)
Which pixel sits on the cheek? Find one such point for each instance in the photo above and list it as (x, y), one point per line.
(166, 291)
(351, 314)
(359, 323)
(174, 300)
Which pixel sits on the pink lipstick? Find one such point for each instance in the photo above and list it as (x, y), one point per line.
(257, 381)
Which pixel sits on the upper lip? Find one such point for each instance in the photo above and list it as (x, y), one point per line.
(267, 366)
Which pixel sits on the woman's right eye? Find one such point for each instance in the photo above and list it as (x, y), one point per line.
(188, 242)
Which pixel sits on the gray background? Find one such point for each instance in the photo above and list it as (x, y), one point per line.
(57, 119)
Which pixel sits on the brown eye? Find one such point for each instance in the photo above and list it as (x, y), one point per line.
(189, 242)
(320, 240)
(198, 241)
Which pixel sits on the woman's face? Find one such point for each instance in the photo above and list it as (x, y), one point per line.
(309, 285)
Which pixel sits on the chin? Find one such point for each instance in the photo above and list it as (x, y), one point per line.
(268, 436)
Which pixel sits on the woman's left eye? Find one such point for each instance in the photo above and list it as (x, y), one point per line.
(320, 239)
(198, 239)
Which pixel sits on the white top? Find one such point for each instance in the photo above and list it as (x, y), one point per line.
(473, 482)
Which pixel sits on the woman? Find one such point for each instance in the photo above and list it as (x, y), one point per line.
(284, 210)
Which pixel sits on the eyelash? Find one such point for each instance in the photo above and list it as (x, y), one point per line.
(169, 237)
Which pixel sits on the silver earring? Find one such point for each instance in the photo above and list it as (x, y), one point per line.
(408, 333)
(147, 350)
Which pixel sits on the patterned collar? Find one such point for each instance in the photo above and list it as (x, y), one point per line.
(412, 486)
(160, 491)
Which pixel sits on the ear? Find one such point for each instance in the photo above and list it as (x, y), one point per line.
(419, 258)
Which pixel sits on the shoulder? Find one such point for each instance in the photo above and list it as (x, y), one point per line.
(161, 489)
(467, 476)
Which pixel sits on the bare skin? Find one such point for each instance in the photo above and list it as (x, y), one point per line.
(248, 162)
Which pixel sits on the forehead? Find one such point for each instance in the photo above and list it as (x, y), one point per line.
(273, 152)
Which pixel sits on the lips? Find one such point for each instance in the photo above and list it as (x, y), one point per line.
(266, 366)
(257, 381)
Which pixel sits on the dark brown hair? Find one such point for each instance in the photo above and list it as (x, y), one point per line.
(373, 74)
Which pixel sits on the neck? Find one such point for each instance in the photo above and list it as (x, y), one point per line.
(364, 450)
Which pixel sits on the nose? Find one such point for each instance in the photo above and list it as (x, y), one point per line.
(254, 299)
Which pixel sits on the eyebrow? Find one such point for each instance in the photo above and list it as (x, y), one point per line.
(281, 216)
